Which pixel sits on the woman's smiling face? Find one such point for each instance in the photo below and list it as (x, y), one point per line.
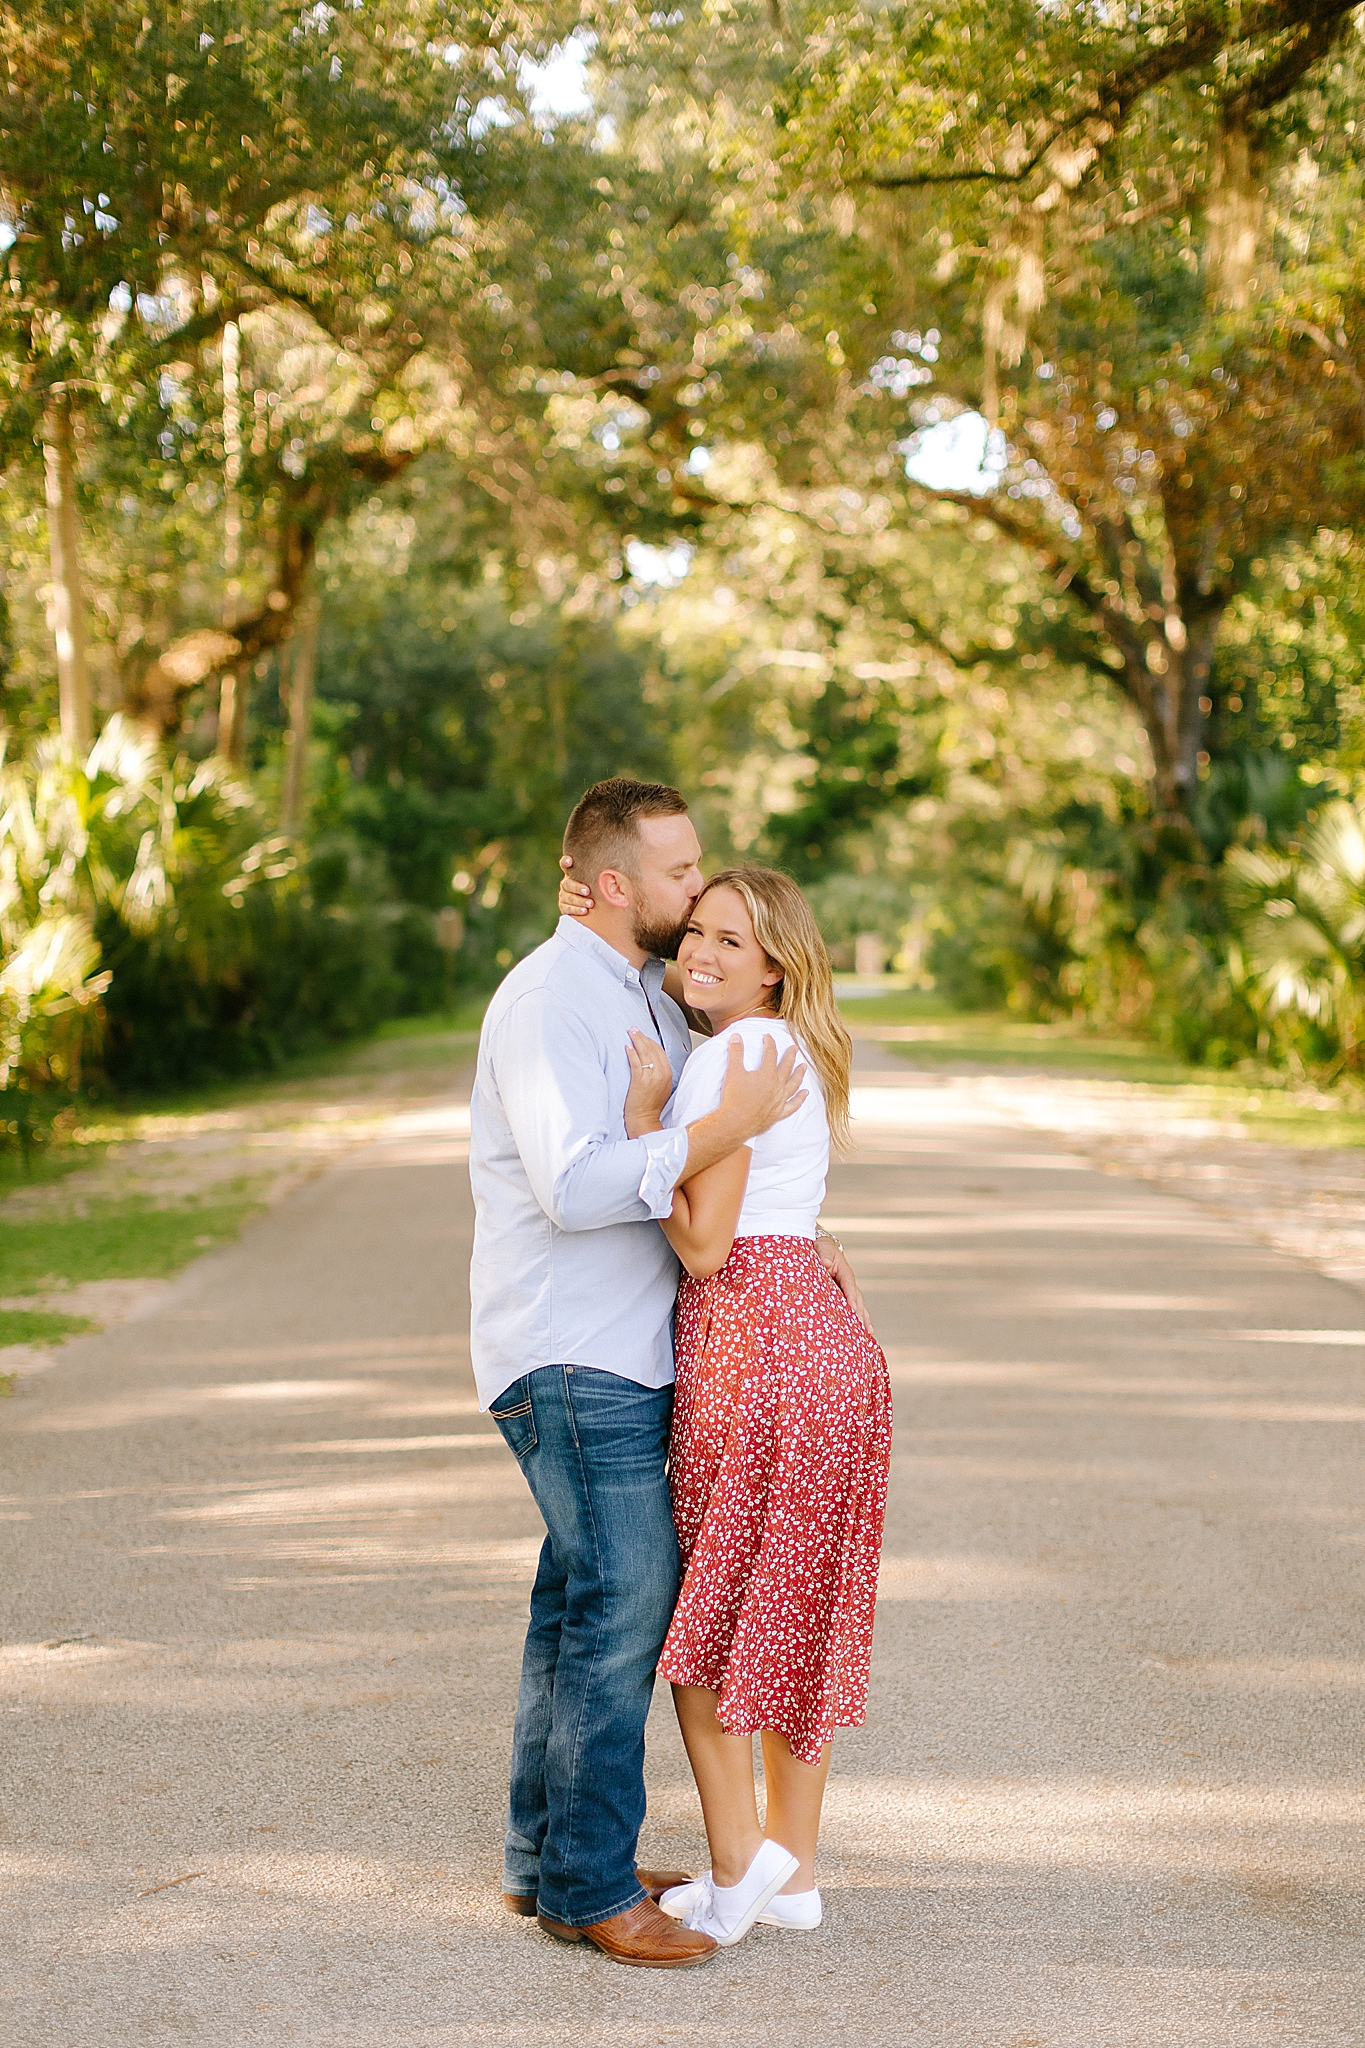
(725, 971)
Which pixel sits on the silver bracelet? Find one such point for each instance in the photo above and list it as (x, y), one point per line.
(820, 1231)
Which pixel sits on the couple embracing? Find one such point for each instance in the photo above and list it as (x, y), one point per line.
(725, 1531)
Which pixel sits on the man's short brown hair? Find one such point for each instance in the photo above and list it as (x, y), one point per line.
(603, 828)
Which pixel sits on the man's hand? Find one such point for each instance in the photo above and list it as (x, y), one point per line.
(756, 1098)
(752, 1101)
(840, 1271)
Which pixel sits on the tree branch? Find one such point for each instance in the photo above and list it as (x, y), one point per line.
(1112, 98)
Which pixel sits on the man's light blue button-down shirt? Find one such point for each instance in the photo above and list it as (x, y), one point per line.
(570, 1266)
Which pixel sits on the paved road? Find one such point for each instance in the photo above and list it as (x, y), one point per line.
(263, 1576)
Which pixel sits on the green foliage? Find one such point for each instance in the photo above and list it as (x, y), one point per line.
(847, 905)
(1301, 916)
(1013, 723)
(1288, 675)
(283, 977)
(852, 736)
(460, 741)
(212, 955)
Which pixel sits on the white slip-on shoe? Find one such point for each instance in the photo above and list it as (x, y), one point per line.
(796, 1911)
(733, 1909)
(683, 1898)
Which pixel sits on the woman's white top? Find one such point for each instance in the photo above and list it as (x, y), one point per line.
(787, 1172)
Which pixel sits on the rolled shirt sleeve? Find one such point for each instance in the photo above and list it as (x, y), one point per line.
(584, 1172)
(667, 1158)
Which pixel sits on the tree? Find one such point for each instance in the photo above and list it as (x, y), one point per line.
(1134, 240)
(167, 174)
(1128, 241)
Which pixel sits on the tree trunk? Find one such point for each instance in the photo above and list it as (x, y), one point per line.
(1170, 699)
(1196, 663)
(232, 470)
(1235, 211)
(304, 666)
(233, 697)
(67, 614)
(217, 654)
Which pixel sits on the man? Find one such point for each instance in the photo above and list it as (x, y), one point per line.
(573, 1286)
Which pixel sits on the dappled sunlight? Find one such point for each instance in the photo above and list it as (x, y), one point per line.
(365, 1498)
(1266, 1674)
(963, 1578)
(1027, 1103)
(879, 1149)
(1055, 1715)
(240, 1889)
(358, 1444)
(163, 1403)
(428, 1407)
(205, 1675)
(1119, 1826)
(370, 1350)
(1353, 1339)
(160, 1404)
(1151, 1220)
(409, 1152)
(1064, 1300)
(1187, 1396)
(933, 1103)
(1249, 1411)
(1039, 1378)
(73, 1655)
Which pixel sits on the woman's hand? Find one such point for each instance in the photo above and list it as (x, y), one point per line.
(575, 898)
(651, 1084)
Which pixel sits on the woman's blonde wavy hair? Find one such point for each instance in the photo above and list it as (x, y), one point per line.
(785, 928)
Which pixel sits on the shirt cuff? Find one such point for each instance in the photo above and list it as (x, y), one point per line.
(667, 1152)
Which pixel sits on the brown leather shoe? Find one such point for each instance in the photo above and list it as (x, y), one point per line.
(642, 1936)
(655, 1882)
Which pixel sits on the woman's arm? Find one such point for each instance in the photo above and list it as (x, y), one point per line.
(706, 1206)
(706, 1209)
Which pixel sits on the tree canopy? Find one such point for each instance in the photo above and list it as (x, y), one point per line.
(935, 432)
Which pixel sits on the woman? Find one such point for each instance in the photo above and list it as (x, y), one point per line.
(782, 1420)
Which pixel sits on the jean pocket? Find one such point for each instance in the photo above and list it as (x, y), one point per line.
(517, 1422)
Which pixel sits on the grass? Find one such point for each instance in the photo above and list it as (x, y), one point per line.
(36, 1326)
(47, 1163)
(1269, 1105)
(112, 1241)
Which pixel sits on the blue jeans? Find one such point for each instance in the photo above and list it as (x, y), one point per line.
(592, 1446)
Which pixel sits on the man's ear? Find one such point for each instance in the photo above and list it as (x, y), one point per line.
(615, 888)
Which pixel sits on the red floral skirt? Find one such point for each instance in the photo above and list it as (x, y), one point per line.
(781, 1445)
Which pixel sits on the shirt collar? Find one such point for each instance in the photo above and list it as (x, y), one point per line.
(576, 933)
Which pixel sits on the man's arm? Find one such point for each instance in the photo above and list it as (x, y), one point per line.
(584, 1172)
(752, 1100)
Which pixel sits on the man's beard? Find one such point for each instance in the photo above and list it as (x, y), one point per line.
(651, 935)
